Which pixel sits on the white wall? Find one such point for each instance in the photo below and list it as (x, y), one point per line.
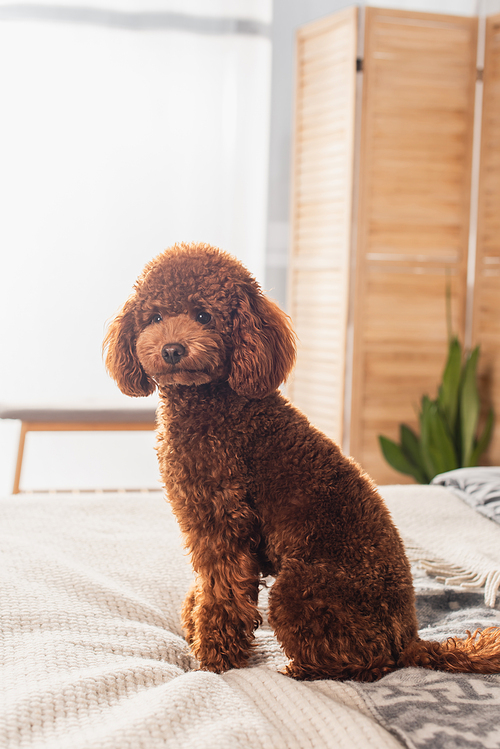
(121, 134)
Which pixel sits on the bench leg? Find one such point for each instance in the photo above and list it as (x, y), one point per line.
(19, 464)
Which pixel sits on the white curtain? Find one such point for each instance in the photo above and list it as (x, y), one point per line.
(124, 128)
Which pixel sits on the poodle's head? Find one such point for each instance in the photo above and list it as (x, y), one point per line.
(196, 316)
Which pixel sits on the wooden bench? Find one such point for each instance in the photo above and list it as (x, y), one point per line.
(75, 420)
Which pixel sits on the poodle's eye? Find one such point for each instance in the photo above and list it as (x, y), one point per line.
(203, 317)
(156, 317)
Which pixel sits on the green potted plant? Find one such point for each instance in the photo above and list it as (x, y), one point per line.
(448, 425)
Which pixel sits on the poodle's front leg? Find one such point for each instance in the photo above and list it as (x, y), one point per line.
(220, 613)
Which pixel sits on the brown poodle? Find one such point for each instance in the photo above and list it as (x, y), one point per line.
(258, 491)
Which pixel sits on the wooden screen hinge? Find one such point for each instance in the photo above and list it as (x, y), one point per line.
(359, 65)
(479, 74)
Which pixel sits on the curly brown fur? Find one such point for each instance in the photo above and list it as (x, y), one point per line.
(258, 491)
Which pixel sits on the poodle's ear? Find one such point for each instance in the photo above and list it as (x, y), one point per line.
(264, 346)
(121, 359)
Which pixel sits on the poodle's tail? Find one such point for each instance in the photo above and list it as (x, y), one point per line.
(478, 653)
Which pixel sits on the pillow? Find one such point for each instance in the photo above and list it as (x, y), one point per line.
(479, 487)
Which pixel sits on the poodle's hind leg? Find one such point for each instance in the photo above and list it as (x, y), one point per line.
(324, 628)
(219, 616)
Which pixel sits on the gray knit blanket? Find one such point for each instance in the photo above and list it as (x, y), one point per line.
(92, 654)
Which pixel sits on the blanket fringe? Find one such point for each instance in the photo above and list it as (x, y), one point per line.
(452, 574)
(449, 574)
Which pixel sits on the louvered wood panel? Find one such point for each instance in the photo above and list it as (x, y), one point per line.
(416, 145)
(321, 214)
(486, 317)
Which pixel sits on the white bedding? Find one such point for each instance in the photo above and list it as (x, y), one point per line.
(92, 653)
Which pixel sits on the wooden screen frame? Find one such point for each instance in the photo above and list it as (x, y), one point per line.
(370, 456)
(339, 259)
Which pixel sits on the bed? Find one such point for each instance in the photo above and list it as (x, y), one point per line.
(93, 654)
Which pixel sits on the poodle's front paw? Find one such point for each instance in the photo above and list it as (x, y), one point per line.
(187, 619)
(219, 657)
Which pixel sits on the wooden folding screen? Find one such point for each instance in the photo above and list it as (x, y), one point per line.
(415, 171)
(319, 272)
(411, 235)
(486, 316)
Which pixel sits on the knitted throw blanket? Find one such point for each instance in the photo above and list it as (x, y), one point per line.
(92, 655)
(452, 542)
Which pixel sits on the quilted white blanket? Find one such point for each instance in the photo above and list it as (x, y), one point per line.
(92, 654)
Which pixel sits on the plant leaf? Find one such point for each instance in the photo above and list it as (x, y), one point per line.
(484, 439)
(448, 397)
(469, 407)
(410, 445)
(448, 424)
(441, 444)
(438, 450)
(425, 438)
(396, 458)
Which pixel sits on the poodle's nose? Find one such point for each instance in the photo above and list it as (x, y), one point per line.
(173, 352)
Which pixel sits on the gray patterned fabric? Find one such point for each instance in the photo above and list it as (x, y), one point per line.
(435, 710)
(478, 486)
